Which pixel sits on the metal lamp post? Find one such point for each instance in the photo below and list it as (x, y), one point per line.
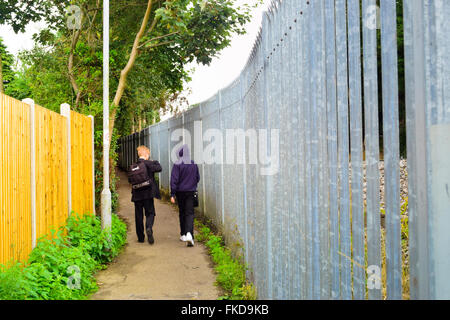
(106, 193)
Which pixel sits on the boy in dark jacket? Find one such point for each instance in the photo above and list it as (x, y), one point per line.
(143, 197)
(183, 184)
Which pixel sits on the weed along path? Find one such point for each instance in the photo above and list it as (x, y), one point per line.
(166, 270)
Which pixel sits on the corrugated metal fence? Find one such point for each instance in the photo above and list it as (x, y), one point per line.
(319, 228)
(36, 190)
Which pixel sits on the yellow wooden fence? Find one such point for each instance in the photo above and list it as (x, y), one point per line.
(56, 192)
(15, 194)
(51, 170)
(82, 164)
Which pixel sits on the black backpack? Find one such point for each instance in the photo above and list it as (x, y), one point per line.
(138, 175)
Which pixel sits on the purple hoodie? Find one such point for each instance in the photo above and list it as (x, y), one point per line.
(185, 175)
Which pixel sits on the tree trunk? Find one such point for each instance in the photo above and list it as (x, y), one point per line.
(124, 73)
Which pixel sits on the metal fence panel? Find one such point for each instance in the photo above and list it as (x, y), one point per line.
(356, 149)
(428, 119)
(330, 42)
(211, 175)
(391, 147)
(193, 137)
(302, 102)
(313, 229)
(372, 141)
(155, 145)
(164, 154)
(343, 151)
(176, 140)
(233, 167)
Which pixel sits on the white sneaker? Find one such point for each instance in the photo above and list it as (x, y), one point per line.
(183, 238)
(189, 240)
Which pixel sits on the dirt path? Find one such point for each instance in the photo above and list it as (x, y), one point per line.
(166, 270)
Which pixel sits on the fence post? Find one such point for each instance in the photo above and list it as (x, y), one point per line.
(202, 179)
(222, 130)
(93, 163)
(65, 112)
(30, 102)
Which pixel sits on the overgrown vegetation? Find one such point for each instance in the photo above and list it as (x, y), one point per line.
(63, 264)
(230, 271)
(151, 44)
(405, 252)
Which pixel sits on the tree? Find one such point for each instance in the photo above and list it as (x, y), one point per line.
(170, 34)
(18, 13)
(151, 42)
(184, 30)
(6, 63)
(18, 88)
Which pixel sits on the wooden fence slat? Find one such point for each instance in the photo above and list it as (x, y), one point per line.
(81, 164)
(15, 220)
(51, 174)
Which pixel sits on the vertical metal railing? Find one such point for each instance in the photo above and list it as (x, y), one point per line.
(328, 224)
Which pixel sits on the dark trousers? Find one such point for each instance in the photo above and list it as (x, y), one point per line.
(186, 208)
(139, 207)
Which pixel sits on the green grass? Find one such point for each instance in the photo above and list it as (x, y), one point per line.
(63, 265)
(404, 225)
(230, 271)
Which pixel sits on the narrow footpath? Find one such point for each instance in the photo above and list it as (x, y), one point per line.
(165, 270)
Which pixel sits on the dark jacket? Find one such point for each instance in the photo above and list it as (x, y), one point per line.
(151, 191)
(185, 175)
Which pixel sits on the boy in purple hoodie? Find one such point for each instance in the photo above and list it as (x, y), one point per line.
(183, 184)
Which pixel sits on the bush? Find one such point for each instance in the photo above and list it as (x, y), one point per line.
(62, 266)
(87, 232)
(230, 271)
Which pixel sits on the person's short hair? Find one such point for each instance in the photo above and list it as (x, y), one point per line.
(142, 150)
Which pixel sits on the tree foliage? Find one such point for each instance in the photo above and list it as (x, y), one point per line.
(67, 64)
(151, 41)
(6, 66)
(18, 13)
